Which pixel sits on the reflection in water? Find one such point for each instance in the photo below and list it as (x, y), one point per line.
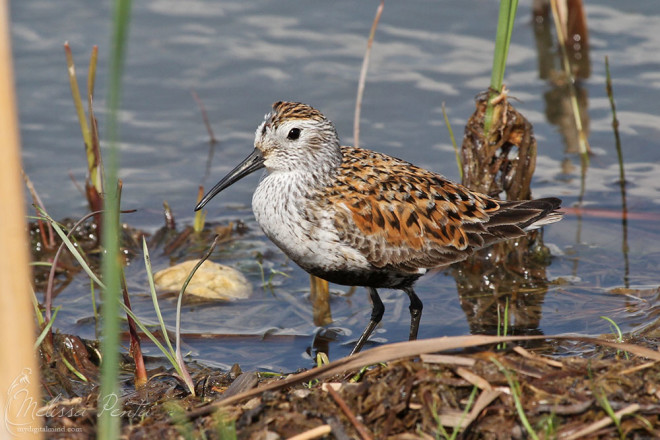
(212, 139)
(513, 272)
(509, 275)
(574, 27)
(566, 89)
(567, 98)
(559, 112)
(319, 295)
(563, 65)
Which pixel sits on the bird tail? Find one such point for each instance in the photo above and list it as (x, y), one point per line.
(547, 212)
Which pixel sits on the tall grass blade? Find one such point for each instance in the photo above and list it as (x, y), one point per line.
(78, 256)
(507, 16)
(46, 329)
(73, 369)
(514, 386)
(35, 306)
(154, 297)
(72, 248)
(605, 404)
(179, 357)
(453, 142)
(77, 101)
(108, 420)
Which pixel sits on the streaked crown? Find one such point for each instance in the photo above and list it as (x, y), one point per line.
(283, 111)
(297, 137)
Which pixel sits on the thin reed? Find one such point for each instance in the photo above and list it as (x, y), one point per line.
(505, 20)
(109, 422)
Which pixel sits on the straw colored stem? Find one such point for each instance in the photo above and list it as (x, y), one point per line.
(363, 75)
(94, 156)
(77, 101)
(19, 370)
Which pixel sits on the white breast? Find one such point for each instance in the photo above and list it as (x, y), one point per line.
(280, 205)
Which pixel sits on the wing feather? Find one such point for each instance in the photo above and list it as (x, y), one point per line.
(407, 218)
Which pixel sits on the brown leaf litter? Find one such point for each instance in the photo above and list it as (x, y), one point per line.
(415, 396)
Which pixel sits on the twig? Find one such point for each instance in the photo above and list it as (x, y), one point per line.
(363, 76)
(313, 433)
(526, 354)
(359, 427)
(205, 116)
(135, 350)
(447, 359)
(401, 350)
(80, 189)
(637, 368)
(605, 421)
(474, 379)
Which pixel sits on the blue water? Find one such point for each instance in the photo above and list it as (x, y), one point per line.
(241, 56)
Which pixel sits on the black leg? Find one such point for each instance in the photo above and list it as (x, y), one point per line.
(415, 312)
(376, 315)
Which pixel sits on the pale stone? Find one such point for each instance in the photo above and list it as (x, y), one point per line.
(211, 281)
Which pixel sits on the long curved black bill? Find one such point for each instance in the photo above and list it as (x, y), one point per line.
(252, 163)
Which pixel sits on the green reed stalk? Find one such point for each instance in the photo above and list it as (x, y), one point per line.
(109, 422)
(516, 393)
(622, 176)
(502, 41)
(459, 162)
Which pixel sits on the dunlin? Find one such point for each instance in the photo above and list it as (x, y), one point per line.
(361, 218)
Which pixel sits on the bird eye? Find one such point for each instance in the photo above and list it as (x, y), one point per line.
(294, 134)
